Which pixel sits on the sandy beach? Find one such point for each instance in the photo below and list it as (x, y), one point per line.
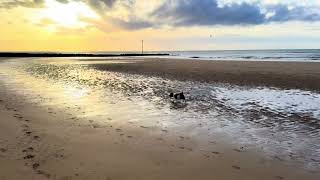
(300, 75)
(110, 119)
(159, 90)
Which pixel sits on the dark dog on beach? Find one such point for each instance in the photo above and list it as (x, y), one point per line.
(178, 96)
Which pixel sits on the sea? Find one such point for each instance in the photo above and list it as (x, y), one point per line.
(241, 55)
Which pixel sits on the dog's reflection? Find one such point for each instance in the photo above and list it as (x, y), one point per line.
(178, 105)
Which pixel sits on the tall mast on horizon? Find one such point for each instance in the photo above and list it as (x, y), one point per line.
(142, 46)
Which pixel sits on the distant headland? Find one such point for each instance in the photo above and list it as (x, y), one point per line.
(27, 54)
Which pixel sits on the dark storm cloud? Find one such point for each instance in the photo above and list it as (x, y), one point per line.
(24, 3)
(208, 12)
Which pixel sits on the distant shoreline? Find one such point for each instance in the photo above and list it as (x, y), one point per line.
(9, 54)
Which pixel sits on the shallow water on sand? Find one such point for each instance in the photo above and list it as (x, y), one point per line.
(284, 124)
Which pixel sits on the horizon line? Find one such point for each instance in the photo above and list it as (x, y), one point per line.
(112, 51)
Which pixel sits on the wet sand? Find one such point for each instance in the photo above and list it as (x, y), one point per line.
(46, 136)
(38, 143)
(297, 75)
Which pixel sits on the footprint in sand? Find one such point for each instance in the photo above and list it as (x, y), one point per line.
(25, 126)
(278, 177)
(163, 130)
(58, 155)
(96, 126)
(47, 175)
(17, 116)
(30, 149)
(35, 166)
(28, 157)
(28, 132)
(3, 150)
(144, 127)
(239, 150)
(236, 167)
(215, 152)
(205, 155)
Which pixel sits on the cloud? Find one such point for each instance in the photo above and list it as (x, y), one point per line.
(63, 1)
(108, 3)
(200, 13)
(112, 25)
(133, 24)
(283, 13)
(7, 4)
(209, 12)
(136, 14)
(100, 5)
(128, 18)
(72, 31)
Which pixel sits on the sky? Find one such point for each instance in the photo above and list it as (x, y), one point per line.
(167, 25)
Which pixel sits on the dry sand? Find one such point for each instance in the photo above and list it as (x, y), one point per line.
(37, 142)
(300, 75)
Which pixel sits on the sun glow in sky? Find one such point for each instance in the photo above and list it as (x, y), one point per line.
(67, 15)
(120, 25)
